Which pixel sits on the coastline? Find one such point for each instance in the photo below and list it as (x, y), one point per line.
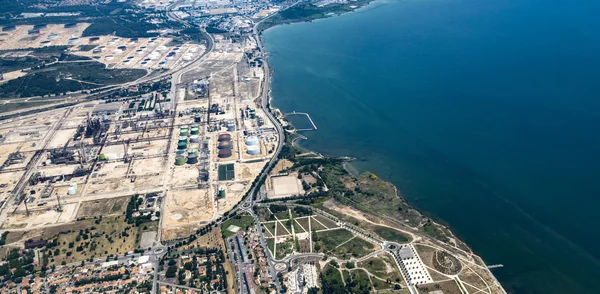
(347, 165)
(458, 243)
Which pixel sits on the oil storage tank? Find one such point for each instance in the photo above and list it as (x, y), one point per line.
(192, 156)
(181, 146)
(252, 141)
(253, 149)
(180, 160)
(224, 145)
(230, 126)
(224, 137)
(9, 28)
(194, 139)
(224, 153)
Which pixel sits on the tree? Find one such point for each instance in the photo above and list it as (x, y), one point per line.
(171, 272)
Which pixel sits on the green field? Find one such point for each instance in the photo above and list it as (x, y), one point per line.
(332, 280)
(390, 234)
(281, 230)
(356, 247)
(316, 226)
(265, 215)
(271, 227)
(271, 244)
(303, 222)
(283, 249)
(60, 78)
(325, 221)
(287, 224)
(328, 240)
(360, 282)
(282, 215)
(297, 228)
(382, 266)
(346, 275)
(241, 221)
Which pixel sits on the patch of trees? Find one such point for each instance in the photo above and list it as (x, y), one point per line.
(126, 26)
(213, 30)
(98, 280)
(3, 238)
(133, 206)
(17, 266)
(60, 78)
(302, 211)
(276, 208)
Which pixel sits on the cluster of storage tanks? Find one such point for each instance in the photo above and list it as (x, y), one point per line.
(230, 125)
(252, 145)
(225, 146)
(248, 113)
(187, 135)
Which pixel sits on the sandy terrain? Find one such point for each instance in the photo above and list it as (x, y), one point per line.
(186, 207)
(57, 34)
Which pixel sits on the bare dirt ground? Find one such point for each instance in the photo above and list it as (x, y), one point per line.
(286, 186)
(103, 207)
(20, 38)
(185, 207)
(112, 185)
(39, 218)
(186, 175)
(281, 165)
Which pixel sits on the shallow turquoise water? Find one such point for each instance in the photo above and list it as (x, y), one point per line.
(485, 114)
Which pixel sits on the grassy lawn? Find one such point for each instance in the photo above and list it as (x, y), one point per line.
(356, 247)
(281, 230)
(282, 215)
(303, 222)
(448, 287)
(271, 244)
(283, 249)
(332, 280)
(316, 226)
(360, 282)
(346, 275)
(242, 221)
(270, 227)
(103, 207)
(327, 222)
(297, 227)
(390, 234)
(264, 214)
(382, 266)
(64, 77)
(301, 211)
(328, 240)
(288, 225)
(382, 285)
(111, 236)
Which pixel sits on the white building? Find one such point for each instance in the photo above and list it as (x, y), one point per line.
(412, 266)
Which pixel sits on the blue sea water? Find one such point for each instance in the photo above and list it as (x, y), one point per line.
(484, 113)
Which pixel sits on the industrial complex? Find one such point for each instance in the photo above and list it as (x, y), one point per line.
(140, 153)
